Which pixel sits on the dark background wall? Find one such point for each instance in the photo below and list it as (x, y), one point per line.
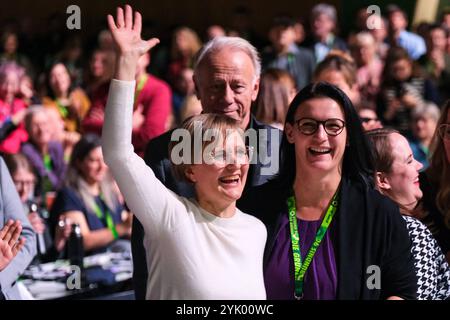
(165, 13)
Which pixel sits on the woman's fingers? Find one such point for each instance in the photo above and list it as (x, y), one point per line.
(15, 234)
(111, 23)
(120, 22)
(137, 22)
(151, 43)
(5, 228)
(10, 231)
(18, 246)
(128, 17)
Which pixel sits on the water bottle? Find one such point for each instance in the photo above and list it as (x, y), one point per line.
(39, 236)
(75, 246)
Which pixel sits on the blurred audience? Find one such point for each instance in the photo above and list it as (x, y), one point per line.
(403, 89)
(184, 87)
(71, 102)
(12, 108)
(214, 31)
(89, 199)
(286, 55)
(424, 120)
(45, 155)
(399, 36)
(67, 138)
(339, 69)
(190, 107)
(370, 67)
(323, 28)
(369, 119)
(10, 53)
(436, 61)
(276, 91)
(185, 44)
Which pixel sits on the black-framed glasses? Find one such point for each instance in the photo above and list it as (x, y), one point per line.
(444, 131)
(308, 126)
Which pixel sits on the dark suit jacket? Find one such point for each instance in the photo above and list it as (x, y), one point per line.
(156, 157)
(370, 232)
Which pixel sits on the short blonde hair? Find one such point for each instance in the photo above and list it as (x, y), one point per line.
(208, 121)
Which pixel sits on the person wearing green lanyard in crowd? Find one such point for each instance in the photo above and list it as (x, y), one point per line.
(330, 234)
(152, 108)
(90, 199)
(71, 102)
(45, 155)
(152, 114)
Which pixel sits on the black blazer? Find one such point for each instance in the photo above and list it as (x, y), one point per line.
(435, 218)
(370, 231)
(157, 157)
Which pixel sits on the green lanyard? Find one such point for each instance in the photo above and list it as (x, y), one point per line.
(140, 86)
(46, 183)
(47, 162)
(109, 220)
(62, 109)
(299, 266)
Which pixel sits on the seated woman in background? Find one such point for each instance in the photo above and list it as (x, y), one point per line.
(276, 91)
(46, 156)
(397, 176)
(72, 103)
(24, 180)
(89, 198)
(435, 184)
(424, 121)
(68, 139)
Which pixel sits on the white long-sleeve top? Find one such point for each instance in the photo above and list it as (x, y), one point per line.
(192, 254)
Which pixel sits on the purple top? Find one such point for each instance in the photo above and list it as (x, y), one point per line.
(321, 276)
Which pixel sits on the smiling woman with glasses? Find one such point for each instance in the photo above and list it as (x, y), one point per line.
(326, 223)
(332, 127)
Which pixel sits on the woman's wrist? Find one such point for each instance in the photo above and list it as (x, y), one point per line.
(126, 67)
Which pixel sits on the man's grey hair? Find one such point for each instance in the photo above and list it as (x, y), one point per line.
(236, 43)
(326, 9)
(32, 111)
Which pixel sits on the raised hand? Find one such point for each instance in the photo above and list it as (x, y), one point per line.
(127, 38)
(10, 245)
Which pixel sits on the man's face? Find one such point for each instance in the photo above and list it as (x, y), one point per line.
(282, 37)
(226, 83)
(397, 21)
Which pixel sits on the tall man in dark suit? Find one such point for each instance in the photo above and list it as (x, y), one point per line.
(226, 76)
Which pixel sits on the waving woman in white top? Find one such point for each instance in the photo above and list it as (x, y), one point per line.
(202, 248)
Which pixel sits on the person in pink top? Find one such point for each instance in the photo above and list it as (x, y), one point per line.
(12, 109)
